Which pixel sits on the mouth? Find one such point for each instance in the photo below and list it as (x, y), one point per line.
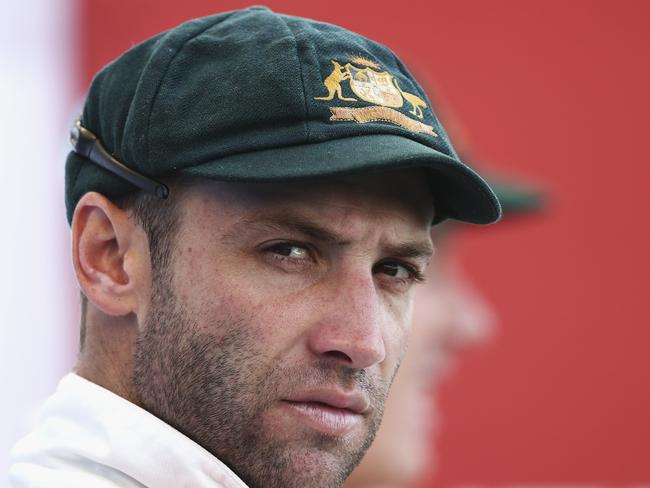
(328, 411)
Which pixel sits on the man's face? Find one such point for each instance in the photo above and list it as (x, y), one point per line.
(273, 335)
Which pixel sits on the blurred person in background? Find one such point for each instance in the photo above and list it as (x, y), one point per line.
(449, 315)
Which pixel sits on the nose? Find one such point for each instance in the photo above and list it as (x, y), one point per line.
(471, 318)
(350, 328)
(450, 314)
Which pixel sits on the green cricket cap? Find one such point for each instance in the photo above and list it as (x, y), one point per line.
(252, 95)
(516, 197)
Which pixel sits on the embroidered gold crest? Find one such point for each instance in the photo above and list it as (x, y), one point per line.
(370, 84)
(384, 114)
(333, 83)
(374, 87)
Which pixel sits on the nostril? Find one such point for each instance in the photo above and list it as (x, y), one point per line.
(338, 355)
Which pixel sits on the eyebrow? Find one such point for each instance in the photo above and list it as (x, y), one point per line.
(411, 249)
(296, 223)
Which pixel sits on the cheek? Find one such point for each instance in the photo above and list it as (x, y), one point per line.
(221, 297)
(398, 335)
(430, 312)
(228, 290)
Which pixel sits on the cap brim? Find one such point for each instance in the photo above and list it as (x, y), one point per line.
(515, 197)
(459, 193)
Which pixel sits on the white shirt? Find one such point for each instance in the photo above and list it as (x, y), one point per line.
(86, 436)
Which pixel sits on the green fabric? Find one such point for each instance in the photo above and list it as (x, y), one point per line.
(235, 97)
(516, 198)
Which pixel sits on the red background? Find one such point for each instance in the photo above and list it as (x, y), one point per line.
(556, 92)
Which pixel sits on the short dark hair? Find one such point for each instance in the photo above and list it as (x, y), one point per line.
(160, 220)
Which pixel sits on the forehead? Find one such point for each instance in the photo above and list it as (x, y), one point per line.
(390, 211)
(403, 195)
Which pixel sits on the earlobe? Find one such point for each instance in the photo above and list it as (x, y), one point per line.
(103, 238)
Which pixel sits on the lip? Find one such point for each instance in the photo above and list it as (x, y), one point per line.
(353, 401)
(329, 411)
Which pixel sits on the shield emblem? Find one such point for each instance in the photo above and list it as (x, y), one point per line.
(374, 86)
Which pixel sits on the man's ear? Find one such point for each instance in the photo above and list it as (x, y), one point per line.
(108, 254)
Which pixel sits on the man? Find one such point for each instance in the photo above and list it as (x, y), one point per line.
(449, 315)
(247, 245)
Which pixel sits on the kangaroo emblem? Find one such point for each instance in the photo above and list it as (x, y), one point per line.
(333, 83)
(416, 102)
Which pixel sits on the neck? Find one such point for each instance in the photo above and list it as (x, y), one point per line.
(106, 357)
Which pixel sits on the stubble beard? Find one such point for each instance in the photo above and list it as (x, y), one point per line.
(216, 388)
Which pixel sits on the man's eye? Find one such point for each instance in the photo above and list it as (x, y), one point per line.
(399, 271)
(291, 251)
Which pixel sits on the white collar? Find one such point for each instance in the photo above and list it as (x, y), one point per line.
(104, 427)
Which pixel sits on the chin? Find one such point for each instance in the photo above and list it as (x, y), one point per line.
(410, 467)
(397, 463)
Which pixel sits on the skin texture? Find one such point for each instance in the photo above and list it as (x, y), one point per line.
(449, 315)
(274, 330)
